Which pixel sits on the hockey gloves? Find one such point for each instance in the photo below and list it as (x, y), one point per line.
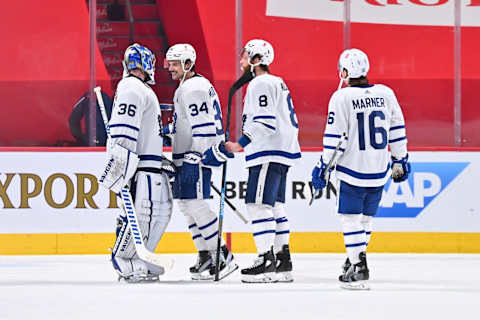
(319, 176)
(190, 168)
(120, 168)
(400, 169)
(216, 155)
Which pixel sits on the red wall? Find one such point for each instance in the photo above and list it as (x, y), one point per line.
(45, 69)
(416, 61)
(46, 65)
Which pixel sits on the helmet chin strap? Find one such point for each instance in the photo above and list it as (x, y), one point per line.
(185, 72)
(252, 66)
(341, 81)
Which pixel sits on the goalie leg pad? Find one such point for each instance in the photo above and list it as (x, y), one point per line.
(153, 203)
(263, 224)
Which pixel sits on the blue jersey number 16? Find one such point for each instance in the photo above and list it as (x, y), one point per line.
(373, 130)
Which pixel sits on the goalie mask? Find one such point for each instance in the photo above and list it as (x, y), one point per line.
(138, 57)
(355, 62)
(261, 48)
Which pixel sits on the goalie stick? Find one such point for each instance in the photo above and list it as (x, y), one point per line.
(327, 170)
(142, 252)
(244, 79)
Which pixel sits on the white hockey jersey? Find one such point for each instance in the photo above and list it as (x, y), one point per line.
(372, 120)
(197, 118)
(135, 121)
(270, 122)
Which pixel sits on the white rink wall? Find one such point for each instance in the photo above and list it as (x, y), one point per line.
(57, 193)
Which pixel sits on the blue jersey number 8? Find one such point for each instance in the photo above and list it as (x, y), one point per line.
(293, 116)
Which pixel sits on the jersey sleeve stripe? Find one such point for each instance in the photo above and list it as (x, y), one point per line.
(124, 125)
(177, 156)
(264, 117)
(204, 135)
(363, 176)
(205, 124)
(266, 125)
(398, 139)
(333, 148)
(124, 136)
(330, 135)
(396, 128)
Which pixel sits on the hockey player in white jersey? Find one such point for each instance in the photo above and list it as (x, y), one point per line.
(197, 129)
(372, 120)
(270, 140)
(136, 146)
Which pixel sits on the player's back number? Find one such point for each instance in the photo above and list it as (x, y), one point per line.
(130, 110)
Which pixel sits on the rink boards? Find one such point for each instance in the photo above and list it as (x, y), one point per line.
(51, 203)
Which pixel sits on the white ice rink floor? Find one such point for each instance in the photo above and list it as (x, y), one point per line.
(403, 286)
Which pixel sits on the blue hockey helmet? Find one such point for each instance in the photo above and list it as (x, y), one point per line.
(139, 57)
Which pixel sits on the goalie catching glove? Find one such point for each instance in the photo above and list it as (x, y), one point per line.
(216, 155)
(400, 169)
(120, 168)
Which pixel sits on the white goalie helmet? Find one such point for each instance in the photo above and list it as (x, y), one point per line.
(182, 52)
(139, 57)
(262, 48)
(355, 61)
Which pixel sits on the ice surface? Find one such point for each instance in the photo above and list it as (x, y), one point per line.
(404, 286)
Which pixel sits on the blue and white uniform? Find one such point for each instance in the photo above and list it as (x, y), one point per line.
(135, 126)
(197, 126)
(270, 141)
(372, 120)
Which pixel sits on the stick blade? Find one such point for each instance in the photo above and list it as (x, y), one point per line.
(160, 260)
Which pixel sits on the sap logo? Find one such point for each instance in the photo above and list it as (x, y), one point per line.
(426, 181)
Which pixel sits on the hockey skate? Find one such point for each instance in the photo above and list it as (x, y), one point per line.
(284, 265)
(262, 270)
(356, 276)
(227, 264)
(201, 270)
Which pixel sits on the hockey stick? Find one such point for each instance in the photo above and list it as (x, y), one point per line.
(238, 213)
(142, 252)
(245, 78)
(329, 166)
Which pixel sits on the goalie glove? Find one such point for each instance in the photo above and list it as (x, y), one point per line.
(120, 167)
(400, 169)
(216, 155)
